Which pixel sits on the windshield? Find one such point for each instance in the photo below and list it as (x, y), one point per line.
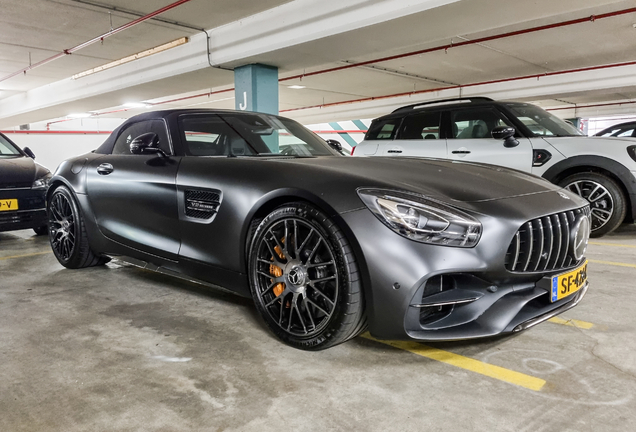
(541, 122)
(249, 134)
(7, 149)
(623, 130)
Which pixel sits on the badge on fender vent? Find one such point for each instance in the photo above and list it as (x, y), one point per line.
(202, 204)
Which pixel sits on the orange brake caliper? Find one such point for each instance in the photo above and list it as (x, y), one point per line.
(276, 271)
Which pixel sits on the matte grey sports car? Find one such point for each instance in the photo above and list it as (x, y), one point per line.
(326, 245)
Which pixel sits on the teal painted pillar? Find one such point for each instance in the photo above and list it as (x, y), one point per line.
(256, 88)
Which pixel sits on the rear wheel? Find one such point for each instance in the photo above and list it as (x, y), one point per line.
(606, 198)
(67, 232)
(304, 278)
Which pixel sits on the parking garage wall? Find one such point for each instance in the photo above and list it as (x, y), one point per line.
(52, 148)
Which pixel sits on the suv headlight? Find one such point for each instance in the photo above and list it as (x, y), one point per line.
(42, 182)
(422, 219)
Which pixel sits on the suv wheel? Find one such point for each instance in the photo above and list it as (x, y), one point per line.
(606, 198)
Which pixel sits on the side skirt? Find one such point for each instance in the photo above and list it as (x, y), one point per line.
(162, 270)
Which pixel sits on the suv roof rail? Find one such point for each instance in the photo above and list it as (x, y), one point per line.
(442, 101)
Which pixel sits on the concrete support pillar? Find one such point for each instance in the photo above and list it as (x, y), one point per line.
(256, 88)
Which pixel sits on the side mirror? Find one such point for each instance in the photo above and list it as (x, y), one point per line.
(29, 152)
(335, 145)
(147, 143)
(507, 134)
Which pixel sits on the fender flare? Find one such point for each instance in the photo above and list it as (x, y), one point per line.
(277, 197)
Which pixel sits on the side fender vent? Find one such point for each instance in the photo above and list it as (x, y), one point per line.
(202, 204)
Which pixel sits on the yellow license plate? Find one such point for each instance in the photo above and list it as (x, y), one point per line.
(568, 283)
(8, 204)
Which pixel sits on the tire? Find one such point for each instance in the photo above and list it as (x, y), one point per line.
(40, 231)
(606, 198)
(67, 233)
(307, 306)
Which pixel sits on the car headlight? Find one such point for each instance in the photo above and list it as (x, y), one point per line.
(422, 219)
(42, 182)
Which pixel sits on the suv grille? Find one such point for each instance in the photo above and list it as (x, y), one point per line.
(543, 244)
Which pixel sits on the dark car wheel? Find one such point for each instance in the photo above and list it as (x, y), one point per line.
(41, 230)
(67, 233)
(304, 278)
(606, 198)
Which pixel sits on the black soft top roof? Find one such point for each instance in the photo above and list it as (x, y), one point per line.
(167, 115)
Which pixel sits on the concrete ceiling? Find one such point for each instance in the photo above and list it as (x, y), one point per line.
(304, 36)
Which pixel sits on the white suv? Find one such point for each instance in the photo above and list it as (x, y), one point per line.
(600, 169)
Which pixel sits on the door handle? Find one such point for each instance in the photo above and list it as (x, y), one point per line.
(461, 152)
(105, 169)
(394, 151)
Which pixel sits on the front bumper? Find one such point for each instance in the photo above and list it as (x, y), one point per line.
(31, 211)
(483, 298)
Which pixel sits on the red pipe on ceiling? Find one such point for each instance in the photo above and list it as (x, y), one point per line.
(592, 106)
(537, 76)
(591, 18)
(50, 132)
(96, 39)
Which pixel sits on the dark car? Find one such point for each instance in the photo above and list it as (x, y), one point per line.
(23, 185)
(624, 130)
(326, 245)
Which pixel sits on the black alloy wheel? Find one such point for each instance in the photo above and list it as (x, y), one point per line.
(67, 233)
(63, 231)
(304, 278)
(606, 198)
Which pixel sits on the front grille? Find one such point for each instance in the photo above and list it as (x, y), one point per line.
(10, 186)
(543, 244)
(202, 204)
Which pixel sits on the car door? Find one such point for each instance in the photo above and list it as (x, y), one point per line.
(380, 133)
(419, 135)
(134, 196)
(470, 139)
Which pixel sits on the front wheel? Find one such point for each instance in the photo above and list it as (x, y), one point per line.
(606, 198)
(40, 231)
(304, 278)
(67, 232)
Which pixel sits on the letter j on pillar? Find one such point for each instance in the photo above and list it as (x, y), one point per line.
(256, 89)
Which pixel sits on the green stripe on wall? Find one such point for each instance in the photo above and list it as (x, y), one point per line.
(335, 126)
(360, 125)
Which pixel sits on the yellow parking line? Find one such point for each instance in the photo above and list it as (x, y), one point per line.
(612, 244)
(25, 255)
(572, 322)
(613, 263)
(489, 370)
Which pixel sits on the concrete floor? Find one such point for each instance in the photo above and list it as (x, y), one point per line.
(116, 348)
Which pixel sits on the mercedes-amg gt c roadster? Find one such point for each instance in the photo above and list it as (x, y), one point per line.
(326, 245)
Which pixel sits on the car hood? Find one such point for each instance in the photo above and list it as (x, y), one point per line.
(19, 172)
(458, 181)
